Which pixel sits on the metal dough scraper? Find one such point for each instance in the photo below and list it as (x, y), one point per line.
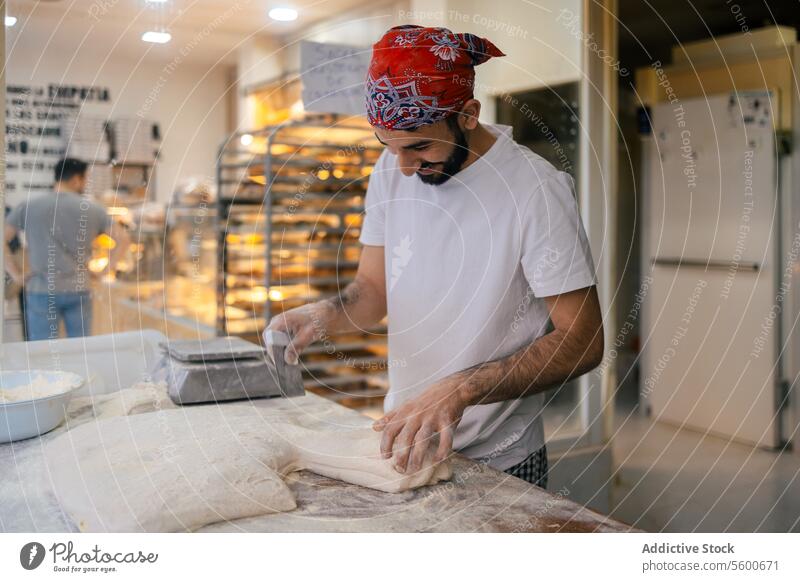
(227, 368)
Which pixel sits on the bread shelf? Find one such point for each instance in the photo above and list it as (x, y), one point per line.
(290, 210)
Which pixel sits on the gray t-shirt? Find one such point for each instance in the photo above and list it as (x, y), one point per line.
(59, 230)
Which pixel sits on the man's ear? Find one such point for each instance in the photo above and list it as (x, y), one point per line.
(470, 112)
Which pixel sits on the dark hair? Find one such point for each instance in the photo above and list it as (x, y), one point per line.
(68, 168)
(451, 121)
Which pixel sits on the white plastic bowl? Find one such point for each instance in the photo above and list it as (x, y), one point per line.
(29, 418)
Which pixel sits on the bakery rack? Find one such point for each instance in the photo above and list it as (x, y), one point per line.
(290, 206)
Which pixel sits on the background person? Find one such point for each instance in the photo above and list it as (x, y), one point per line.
(59, 229)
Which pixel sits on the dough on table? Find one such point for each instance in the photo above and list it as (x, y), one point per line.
(141, 397)
(181, 469)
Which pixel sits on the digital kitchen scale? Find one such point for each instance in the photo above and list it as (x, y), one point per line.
(227, 368)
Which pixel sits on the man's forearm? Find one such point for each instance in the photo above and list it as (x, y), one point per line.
(11, 267)
(358, 306)
(550, 360)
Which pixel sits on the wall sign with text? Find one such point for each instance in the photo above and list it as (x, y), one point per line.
(35, 116)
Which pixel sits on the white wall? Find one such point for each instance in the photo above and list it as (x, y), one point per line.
(187, 100)
(541, 48)
(361, 27)
(260, 60)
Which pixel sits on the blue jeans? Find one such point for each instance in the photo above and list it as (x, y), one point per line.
(43, 313)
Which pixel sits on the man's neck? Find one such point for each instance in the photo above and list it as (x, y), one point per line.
(480, 141)
(63, 189)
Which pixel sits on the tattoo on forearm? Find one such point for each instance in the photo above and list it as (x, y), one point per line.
(349, 296)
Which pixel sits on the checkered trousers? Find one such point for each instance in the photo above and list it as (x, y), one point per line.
(533, 469)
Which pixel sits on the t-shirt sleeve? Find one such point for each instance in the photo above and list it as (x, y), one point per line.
(16, 217)
(103, 220)
(556, 257)
(373, 227)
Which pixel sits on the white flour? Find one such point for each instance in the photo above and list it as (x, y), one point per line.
(40, 387)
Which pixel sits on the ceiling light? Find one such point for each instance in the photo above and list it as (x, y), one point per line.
(155, 1)
(246, 139)
(156, 37)
(11, 20)
(283, 14)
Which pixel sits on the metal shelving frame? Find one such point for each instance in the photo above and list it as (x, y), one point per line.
(271, 205)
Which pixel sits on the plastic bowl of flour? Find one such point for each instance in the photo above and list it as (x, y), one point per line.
(33, 402)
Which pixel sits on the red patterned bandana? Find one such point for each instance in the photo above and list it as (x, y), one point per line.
(419, 76)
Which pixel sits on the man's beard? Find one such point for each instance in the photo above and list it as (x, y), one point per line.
(452, 164)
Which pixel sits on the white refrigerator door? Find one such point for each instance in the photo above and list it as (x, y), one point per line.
(713, 234)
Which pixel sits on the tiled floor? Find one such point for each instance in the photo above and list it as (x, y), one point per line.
(679, 480)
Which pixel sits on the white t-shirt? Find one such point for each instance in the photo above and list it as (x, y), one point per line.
(467, 265)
